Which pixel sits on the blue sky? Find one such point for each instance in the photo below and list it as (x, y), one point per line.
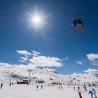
(57, 39)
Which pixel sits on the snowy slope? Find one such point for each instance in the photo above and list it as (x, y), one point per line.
(15, 73)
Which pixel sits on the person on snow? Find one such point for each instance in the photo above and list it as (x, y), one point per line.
(79, 92)
(41, 86)
(10, 84)
(94, 92)
(37, 87)
(1, 85)
(85, 89)
(74, 88)
(91, 93)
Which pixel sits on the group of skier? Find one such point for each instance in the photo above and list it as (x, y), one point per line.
(2, 84)
(91, 92)
(37, 86)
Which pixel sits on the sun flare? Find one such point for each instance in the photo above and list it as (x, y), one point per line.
(36, 19)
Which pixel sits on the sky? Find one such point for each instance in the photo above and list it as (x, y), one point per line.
(55, 43)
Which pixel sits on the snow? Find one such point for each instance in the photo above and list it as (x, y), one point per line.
(30, 91)
(6, 74)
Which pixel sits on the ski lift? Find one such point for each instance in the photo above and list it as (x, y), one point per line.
(78, 25)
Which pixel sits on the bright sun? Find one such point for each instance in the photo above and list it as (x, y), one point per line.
(36, 20)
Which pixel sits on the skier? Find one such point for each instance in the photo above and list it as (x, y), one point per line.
(74, 88)
(10, 84)
(79, 92)
(1, 85)
(91, 93)
(41, 86)
(85, 89)
(37, 87)
(94, 92)
(62, 86)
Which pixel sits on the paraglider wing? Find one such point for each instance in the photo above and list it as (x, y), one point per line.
(78, 25)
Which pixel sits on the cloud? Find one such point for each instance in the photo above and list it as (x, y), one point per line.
(13, 65)
(37, 60)
(94, 63)
(92, 56)
(23, 52)
(35, 53)
(25, 67)
(49, 69)
(91, 71)
(79, 62)
(31, 60)
(5, 64)
(25, 55)
(76, 74)
(18, 66)
(23, 59)
(46, 61)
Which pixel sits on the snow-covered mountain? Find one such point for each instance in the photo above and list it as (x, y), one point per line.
(14, 73)
(82, 79)
(8, 73)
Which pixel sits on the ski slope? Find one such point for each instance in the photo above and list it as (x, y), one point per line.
(30, 91)
(6, 74)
